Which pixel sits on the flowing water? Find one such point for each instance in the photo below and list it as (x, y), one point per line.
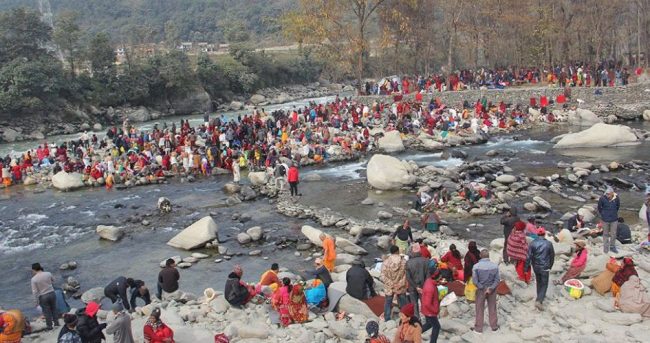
(52, 227)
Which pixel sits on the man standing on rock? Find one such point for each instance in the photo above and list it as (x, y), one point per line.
(608, 206)
(393, 275)
(329, 251)
(168, 278)
(44, 295)
(485, 275)
(541, 256)
(508, 221)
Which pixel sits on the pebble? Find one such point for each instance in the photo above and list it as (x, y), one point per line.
(255, 253)
(219, 260)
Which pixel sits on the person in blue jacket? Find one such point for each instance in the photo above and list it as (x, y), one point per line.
(608, 206)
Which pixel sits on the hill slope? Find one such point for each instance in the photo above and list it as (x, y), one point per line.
(143, 21)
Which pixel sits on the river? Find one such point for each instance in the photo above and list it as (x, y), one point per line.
(52, 227)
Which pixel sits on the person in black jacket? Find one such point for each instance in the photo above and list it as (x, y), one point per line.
(541, 256)
(88, 328)
(139, 290)
(361, 285)
(116, 290)
(168, 278)
(237, 293)
(508, 221)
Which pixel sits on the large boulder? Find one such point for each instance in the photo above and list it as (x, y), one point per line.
(194, 101)
(598, 136)
(388, 173)
(195, 235)
(10, 135)
(257, 99)
(583, 117)
(646, 115)
(642, 213)
(258, 178)
(138, 115)
(110, 233)
(350, 247)
(67, 181)
(312, 234)
(391, 142)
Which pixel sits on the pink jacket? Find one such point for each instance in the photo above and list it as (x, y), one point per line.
(579, 261)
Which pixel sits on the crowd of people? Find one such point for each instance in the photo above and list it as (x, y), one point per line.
(604, 74)
(259, 141)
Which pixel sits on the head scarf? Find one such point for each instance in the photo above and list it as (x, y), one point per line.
(408, 310)
(238, 270)
(623, 274)
(92, 308)
(520, 226)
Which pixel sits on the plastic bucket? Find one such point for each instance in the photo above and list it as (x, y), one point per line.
(575, 288)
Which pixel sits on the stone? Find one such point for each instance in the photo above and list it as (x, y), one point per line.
(243, 238)
(255, 253)
(349, 247)
(583, 117)
(184, 265)
(539, 201)
(391, 142)
(368, 201)
(258, 178)
(533, 333)
(247, 193)
(312, 234)
(199, 255)
(29, 181)
(110, 233)
(646, 115)
(97, 127)
(94, 294)
(67, 181)
(384, 215)
(599, 135)
(388, 173)
(257, 99)
(506, 179)
(582, 165)
(138, 115)
(530, 207)
(478, 211)
(190, 259)
(354, 306)
(231, 188)
(196, 235)
(10, 135)
(255, 233)
(565, 237)
(497, 244)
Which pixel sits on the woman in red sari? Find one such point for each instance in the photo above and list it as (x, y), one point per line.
(298, 309)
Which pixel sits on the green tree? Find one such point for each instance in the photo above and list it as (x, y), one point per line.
(22, 34)
(30, 85)
(66, 36)
(211, 76)
(100, 54)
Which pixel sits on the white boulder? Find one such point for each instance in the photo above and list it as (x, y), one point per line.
(195, 235)
(391, 142)
(583, 117)
(312, 234)
(599, 135)
(110, 233)
(642, 213)
(258, 178)
(646, 115)
(388, 173)
(257, 99)
(67, 181)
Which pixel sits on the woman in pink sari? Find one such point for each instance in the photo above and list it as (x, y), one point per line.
(281, 300)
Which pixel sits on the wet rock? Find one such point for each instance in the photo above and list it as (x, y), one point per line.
(368, 201)
(391, 142)
(164, 205)
(599, 135)
(184, 265)
(255, 233)
(198, 255)
(303, 246)
(67, 181)
(247, 193)
(258, 178)
(539, 201)
(582, 165)
(231, 188)
(245, 217)
(388, 173)
(94, 294)
(255, 253)
(243, 238)
(384, 215)
(478, 211)
(506, 179)
(195, 235)
(530, 207)
(110, 233)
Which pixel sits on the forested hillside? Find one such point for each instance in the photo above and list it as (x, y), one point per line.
(147, 21)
